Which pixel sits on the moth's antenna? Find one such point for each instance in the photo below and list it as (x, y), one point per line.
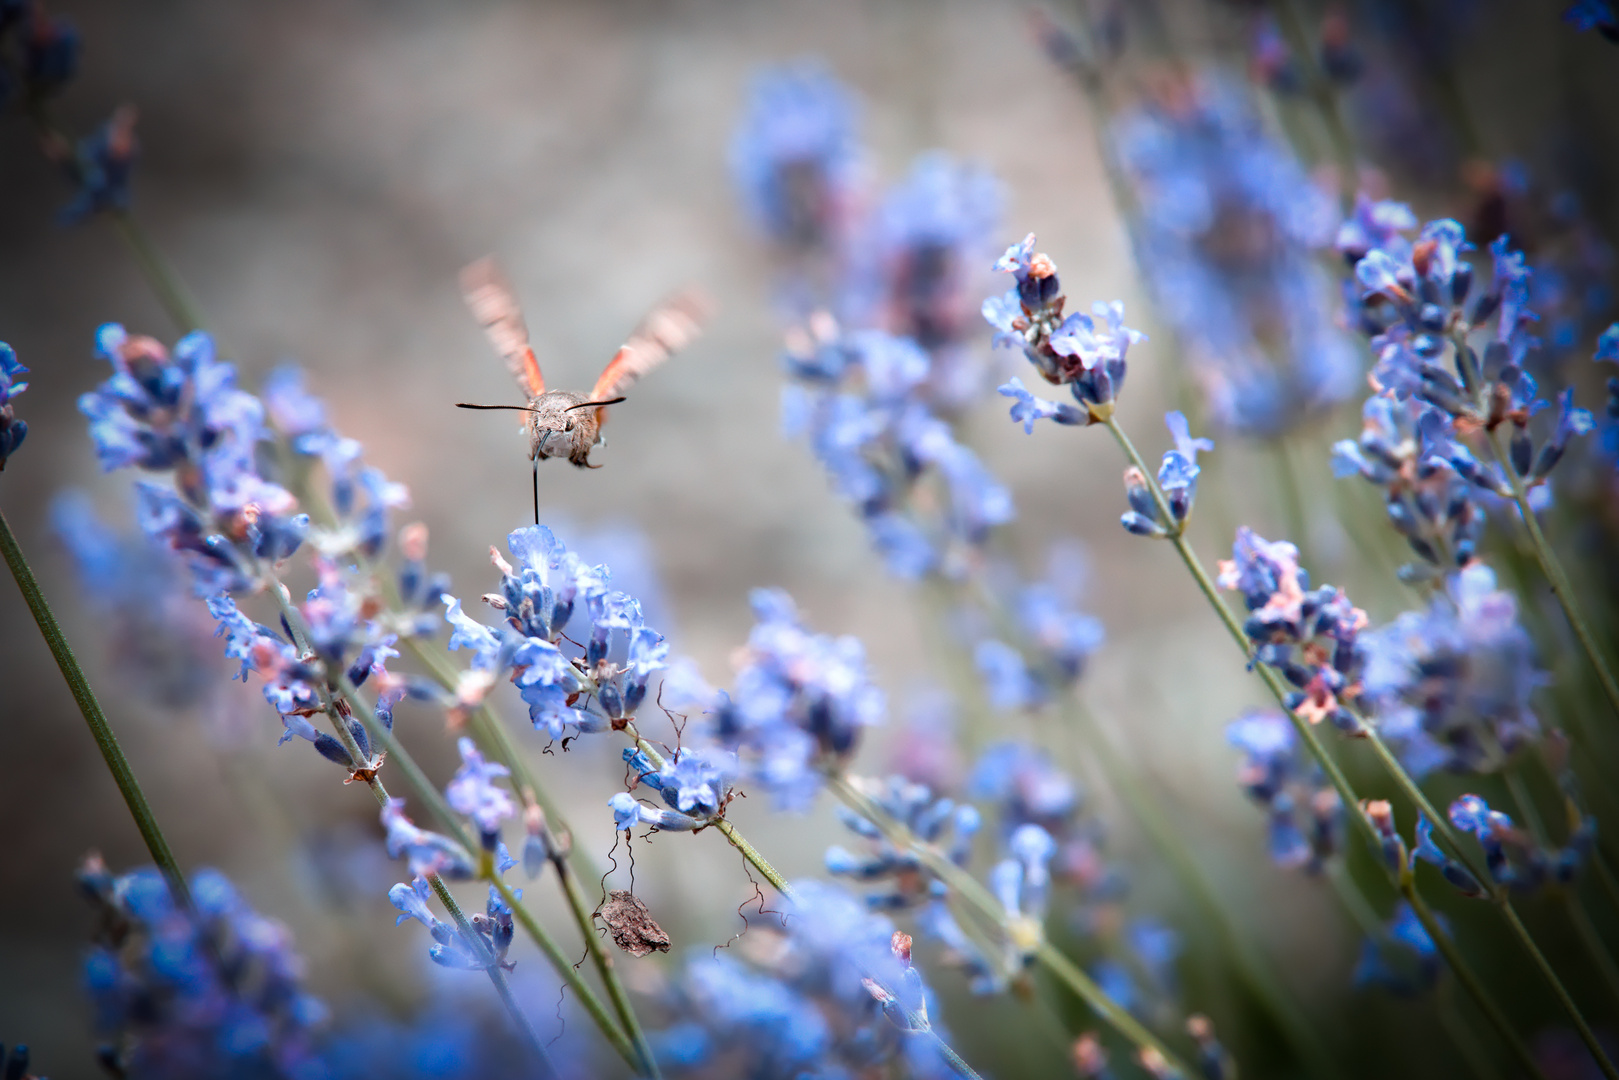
(519, 408)
(570, 408)
(536, 491)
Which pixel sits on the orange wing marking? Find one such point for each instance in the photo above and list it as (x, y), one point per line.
(672, 326)
(495, 306)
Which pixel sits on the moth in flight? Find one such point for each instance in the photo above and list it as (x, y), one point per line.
(562, 423)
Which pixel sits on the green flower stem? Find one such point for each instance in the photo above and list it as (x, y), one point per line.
(429, 794)
(1456, 1028)
(1292, 493)
(1502, 901)
(604, 963)
(165, 283)
(1605, 875)
(985, 907)
(1552, 567)
(496, 975)
(139, 809)
(560, 961)
(1320, 90)
(1346, 792)
(1251, 967)
(1464, 975)
(1461, 1033)
(918, 1025)
(1567, 895)
(486, 726)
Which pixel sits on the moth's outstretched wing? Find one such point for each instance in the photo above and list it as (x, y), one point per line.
(494, 305)
(672, 326)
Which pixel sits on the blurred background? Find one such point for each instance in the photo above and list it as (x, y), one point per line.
(318, 173)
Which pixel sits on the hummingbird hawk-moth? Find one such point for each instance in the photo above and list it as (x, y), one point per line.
(562, 423)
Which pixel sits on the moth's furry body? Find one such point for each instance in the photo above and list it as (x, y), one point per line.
(558, 428)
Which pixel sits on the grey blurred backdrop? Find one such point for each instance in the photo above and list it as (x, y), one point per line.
(318, 172)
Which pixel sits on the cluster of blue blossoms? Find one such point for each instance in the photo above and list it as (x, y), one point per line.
(1227, 233)
(176, 995)
(832, 993)
(1451, 362)
(12, 430)
(1090, 355)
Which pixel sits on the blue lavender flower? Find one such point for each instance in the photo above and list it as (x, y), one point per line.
(911, 270)
(795, 157)
(1451, 685)
(831, 1001)
(1228, 228)
(493, 928)
(184, 413)
(12, 430)
(218, 996)
(628, 812)
(1310, 636)
(473, 792)
(1595, 15)
(540, 597)
(1406, 449)
(1404, 960)
(1306, 816)
(102, 168)
(427, 852)
(1026, 408)
(1177, 478)
(1415, 309)
(696, 781)
(939, 821)
(48, 49)
(361, 496)
(1512, 856)
(1140, 975)
(1425, 850)
(1026, 788)
(1088, 353)
(159, 639)
(859, 402)
(799, 699)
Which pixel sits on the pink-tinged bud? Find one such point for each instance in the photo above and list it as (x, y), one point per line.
(877, 993)
(1088, 1056)
(500, 563)
(413, 542)
(901, 944)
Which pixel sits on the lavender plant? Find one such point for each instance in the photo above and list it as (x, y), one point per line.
(977, 862)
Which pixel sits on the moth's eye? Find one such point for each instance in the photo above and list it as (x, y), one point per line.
(569, 427)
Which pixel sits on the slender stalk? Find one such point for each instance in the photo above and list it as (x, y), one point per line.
(496, 975)
(1461, 1034)
(560, 961)
(493, 734)
(1292, 493)
(1346, 792)
(165, 283)
(918, 1025)
(1321, 91)
(428, 793)
(1605, 875)
(111, 753)
(1552, 567)
(1567, 896)
(987, 908)
(604, 964)
(1465, 975)
(1251, 967)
